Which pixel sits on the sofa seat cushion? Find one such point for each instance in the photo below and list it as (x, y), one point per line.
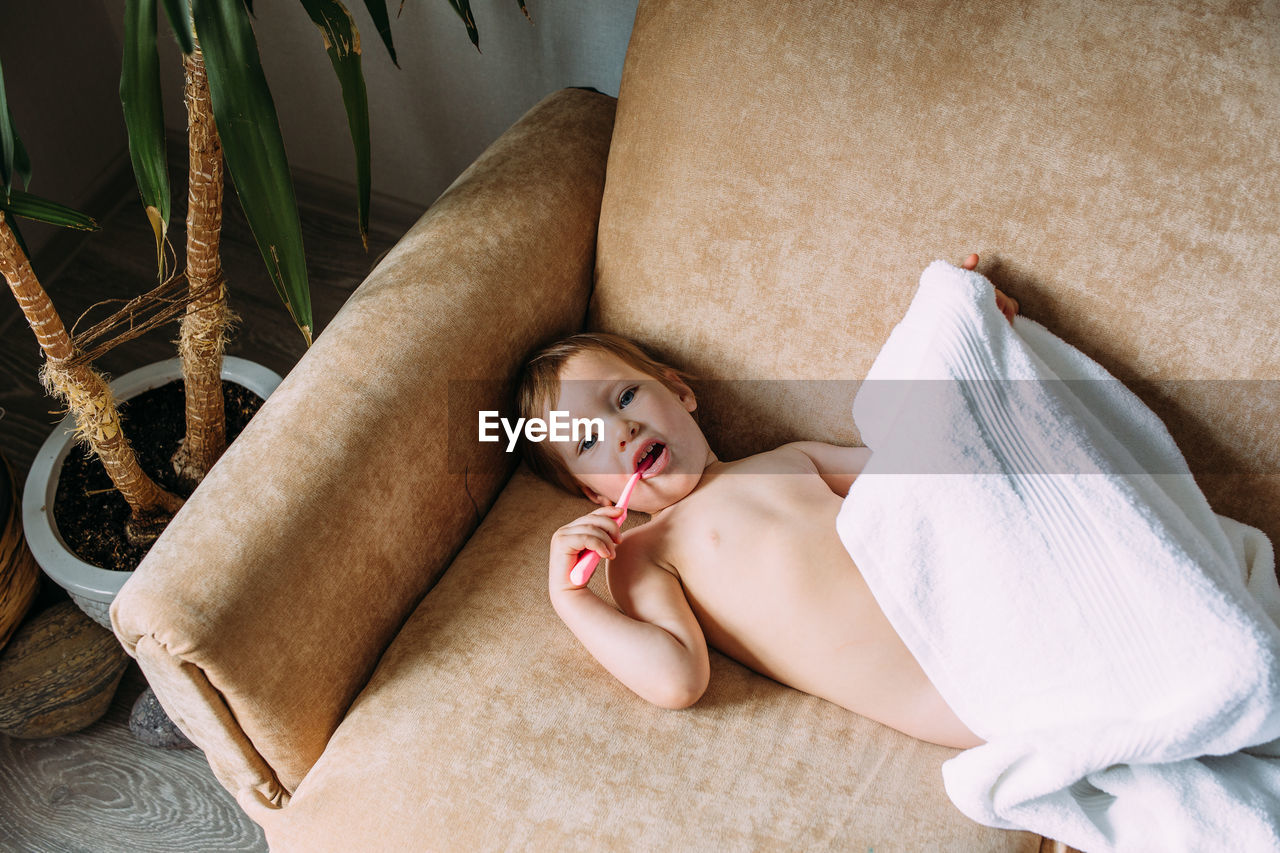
(488, 726)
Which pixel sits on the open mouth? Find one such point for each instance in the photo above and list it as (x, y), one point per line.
(650, 456)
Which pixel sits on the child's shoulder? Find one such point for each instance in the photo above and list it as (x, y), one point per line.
(644, 540)
(643, 554)
(790, 457)
(838, 466)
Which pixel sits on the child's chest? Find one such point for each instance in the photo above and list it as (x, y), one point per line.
(762, 564)
(751, 520)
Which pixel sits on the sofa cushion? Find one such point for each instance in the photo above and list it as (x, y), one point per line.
(782, 171)
(487, 726)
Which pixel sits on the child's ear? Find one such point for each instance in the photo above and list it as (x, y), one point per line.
(683, 391)
(594, 496)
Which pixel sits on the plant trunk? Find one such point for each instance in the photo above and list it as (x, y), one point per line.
(204, 327)
(87, 396)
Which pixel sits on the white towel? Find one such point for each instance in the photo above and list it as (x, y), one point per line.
(1035, 537)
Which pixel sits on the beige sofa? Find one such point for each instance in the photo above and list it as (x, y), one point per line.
(350, 616)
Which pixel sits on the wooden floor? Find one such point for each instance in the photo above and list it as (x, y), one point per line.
(99, 789)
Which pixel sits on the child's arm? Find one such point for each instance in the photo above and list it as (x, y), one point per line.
(838, 466)
(655, 646)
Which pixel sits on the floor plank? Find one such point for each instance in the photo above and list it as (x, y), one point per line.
(99, 789)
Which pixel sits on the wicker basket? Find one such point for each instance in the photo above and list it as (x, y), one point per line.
(19, 576)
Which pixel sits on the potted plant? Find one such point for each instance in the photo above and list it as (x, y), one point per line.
(231, 119)
(225, 91)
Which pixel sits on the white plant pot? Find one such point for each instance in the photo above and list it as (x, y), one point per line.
(91, 587)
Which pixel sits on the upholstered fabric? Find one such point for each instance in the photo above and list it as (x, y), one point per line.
(488, 727)
(291, 568)
(781, 172)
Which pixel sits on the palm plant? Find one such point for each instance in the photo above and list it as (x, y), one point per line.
(230, 113)
(66, 374)
(231, 118)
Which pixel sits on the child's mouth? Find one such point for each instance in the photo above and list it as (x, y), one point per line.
(650, 459)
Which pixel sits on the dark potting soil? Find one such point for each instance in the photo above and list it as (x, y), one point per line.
(90, 513)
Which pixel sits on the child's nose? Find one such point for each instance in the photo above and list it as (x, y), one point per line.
(630, 429)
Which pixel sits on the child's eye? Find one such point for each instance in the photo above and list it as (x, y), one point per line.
(624, 400)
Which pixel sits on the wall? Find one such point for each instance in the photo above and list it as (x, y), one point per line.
(430, 118)
(62, 75)
(447, 101)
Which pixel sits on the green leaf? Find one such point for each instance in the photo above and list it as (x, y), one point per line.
(179, 14)
(144, 117)
(463, 8)
(342, 42)
(13, 154)
(254, 149)
(50, 212)
(8, 140)
(378, 11)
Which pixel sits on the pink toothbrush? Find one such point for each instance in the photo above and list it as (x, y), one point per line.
(588, 559)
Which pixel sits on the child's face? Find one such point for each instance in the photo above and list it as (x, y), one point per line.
(639, 413)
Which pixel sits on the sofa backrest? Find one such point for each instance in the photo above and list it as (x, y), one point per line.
(781, 173)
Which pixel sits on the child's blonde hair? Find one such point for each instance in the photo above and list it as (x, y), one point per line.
(538, 386)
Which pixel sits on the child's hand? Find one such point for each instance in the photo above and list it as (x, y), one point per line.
(598, 531)
(1008, 305)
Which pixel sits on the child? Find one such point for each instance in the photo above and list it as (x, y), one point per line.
(750, 564)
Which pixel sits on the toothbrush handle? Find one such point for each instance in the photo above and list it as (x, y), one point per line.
(584, 568)
(588, 559)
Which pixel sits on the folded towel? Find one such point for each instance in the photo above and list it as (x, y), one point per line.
(1035, 537)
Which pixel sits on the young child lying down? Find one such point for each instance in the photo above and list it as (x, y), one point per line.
(752, 565)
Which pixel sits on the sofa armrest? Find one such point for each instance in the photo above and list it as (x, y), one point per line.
(261, 611)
